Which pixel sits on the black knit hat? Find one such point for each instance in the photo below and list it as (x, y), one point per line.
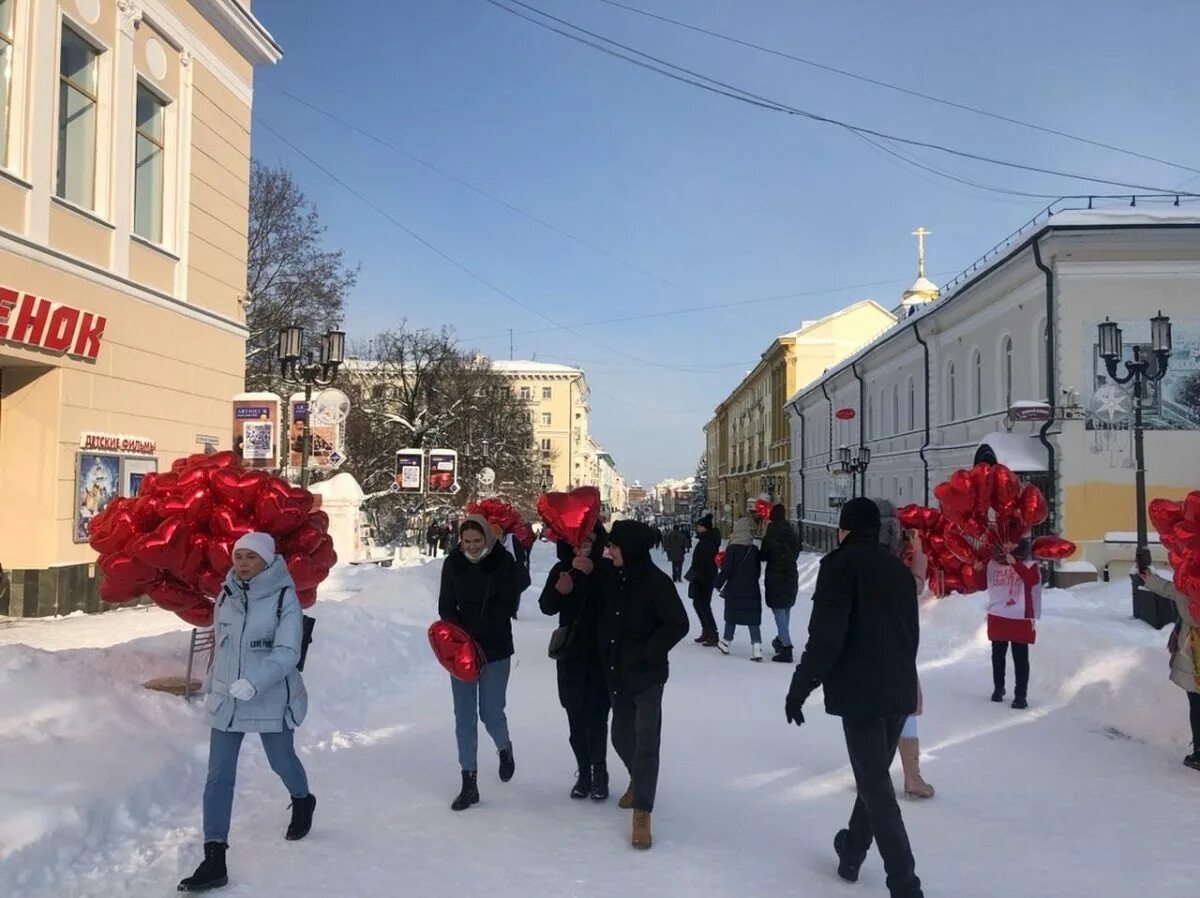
(705, 522)
(860, 516)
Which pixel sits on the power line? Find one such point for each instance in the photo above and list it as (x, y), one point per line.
(470, 272)
(733, 92)
(517, 210)
(965, 107)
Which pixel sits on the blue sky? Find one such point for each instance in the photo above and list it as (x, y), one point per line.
(703, 199)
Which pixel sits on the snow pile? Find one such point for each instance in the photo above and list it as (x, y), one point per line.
(102, 779)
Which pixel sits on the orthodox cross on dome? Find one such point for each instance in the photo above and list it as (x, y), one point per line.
(921, 234)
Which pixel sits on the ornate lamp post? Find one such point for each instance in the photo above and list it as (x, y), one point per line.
(301, 371)
(856, 465)
(1139, 372)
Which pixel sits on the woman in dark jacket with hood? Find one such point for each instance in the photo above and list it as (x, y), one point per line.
(574, 592)
(738, 583)
(780, 550)
(479, 594)
(701, 577)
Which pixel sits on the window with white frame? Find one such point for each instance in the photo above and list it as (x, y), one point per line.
(976, 383)
(547, 392)
(149, 164)
(7, 33)
(951, 393)
(78, 85)
(547, 447)
(526, 393)
(1006, 361)
(545, 419)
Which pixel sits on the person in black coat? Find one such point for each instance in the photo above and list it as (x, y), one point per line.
(738, 583)
(675, 545)
(574, 591)
(862, 646)
(643, 620)
(479, 593)
(702, 576)
(780, 551)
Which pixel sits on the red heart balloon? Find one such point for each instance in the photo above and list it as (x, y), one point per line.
(1187, 536)
(275, 514)
(165, 548)
(200, 614)
(112, 529)
(307, 597)
(219, 553)
(172, 595)
(116, 591)
(190, 478)
(1053, 548)
(324, 556)
(496, 511)
(762, 508)
(209, 582)
(981, 488)
(1006, 488)
(1164, 515)
(456, 651)
(956, 502)
(931, 519)
(237, 488)
(319, 520)
(524, 535)
(1191, 507)
(227, 524)
(225, 459)
(123, 568)
(958, 546)
(1033, 507)
(571, 515)
(306, 573)
(304, 541)
(302, 499)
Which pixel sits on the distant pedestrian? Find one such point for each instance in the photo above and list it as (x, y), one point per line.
(675, 546)
(738, 584)
(781, 552)
(1184, 646)
(702, 578)
(643, 620)
(1014, 606)
(862, 647)
(431, 539)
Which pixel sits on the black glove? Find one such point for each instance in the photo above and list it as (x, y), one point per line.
(793, 707)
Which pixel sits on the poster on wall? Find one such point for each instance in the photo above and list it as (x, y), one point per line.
(256, 429)
(410, 470)
(1172, 403)
(443, 471)
(97, 482)
(133, 471)
(326, 438)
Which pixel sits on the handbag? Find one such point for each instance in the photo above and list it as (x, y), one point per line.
(729, 579)
(563, 644)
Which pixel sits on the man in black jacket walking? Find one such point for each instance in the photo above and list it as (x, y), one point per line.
(643, 620)
(862, 646)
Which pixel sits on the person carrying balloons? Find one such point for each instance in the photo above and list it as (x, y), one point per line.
(1185, 653)
(253, 686)
(479, 593)
(1014, 606)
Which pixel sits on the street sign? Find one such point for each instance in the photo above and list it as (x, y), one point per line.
(336, 458)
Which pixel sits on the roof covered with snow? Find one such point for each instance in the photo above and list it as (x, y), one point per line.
(1018, 452)
(510, 366)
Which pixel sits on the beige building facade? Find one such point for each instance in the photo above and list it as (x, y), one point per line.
(124, 189)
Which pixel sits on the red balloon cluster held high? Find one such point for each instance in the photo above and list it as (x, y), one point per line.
(570, 516)
(174, 540)
(1178, 526)
(980, 511)
(762, 508)
(501, 514)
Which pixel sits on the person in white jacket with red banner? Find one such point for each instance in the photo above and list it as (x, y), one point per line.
(1014, 606)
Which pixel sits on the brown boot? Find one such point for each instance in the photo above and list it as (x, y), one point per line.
(641, 830)
(910, 759)
(625, 802)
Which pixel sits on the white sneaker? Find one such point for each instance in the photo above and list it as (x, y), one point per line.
(756, 653)
(723, 647)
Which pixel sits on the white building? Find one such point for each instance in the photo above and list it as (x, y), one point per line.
(933, 393)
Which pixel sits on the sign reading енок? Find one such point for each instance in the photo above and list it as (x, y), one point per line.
(32, 321)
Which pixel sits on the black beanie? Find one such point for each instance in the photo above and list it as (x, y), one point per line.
(705, 522)
(860, 516)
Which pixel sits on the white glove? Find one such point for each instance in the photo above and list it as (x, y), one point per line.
(242, 690)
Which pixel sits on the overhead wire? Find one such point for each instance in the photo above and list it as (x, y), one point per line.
(716, 86)
(887, 85)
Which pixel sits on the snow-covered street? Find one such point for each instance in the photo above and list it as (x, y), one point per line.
(1081, 795)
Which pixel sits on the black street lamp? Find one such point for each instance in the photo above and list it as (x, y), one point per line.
(1139, 372)
(856, 465)
(300, 371)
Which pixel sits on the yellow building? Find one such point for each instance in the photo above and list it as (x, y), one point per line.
(749, 441)
(124, 171)
(558, 407)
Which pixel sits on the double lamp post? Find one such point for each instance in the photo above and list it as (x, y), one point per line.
(308, 371)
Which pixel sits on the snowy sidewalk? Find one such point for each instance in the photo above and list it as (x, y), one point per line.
(1082, 795)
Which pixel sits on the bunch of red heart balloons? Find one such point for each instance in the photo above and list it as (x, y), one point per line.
(981, 511)
(174, 540)
(570, 516)
(762, 508)
(501, 514)
(1178, 526)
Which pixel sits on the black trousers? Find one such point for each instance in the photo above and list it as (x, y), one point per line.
(876, 815)
(1020, 653)
(584, 696)
(1194, 714)
(637, 735)
(677, 571)
(702, 602)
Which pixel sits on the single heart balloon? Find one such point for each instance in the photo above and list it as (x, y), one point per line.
(1191, 507)
(209, 582)
(228, 524)
(456, 651)
(1033, 507)
(219, 552)
(172, 595)
(571, 515)
(165, 548)
(127, 569)
(910, 517)
(324, 557)
(1053, 548)
(523, 533)
(275, 513)
(237, 488)
(958, 545)
(1164, 514)
(319, 520)
(306, 573)
(1006, 488)
(981, 488)
(225, 459)
(116, 591)
(1187, 536)
(198, 614)
(303, 541)
(307, 597)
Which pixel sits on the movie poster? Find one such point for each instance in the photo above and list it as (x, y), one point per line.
(97, 482)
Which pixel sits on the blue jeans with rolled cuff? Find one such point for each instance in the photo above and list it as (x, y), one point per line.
(482, 700)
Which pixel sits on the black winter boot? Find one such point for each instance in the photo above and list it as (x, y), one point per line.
(599, 782)
(302, 814)
(850, 859)
(211, 874)
(784, 655)
(508, 764)
(469, 794)
(777, 644)
(583, 783)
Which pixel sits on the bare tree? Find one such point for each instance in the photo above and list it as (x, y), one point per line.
(291, 278)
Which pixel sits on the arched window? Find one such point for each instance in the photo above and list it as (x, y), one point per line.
(976, 383)
(895, 408)
(951, 393)
(1006, 370)
(912, 404)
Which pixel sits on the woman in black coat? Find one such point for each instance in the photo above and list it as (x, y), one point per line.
(701, 577)
(479, 594)
(780, 550)
(574, 592)
(738, 583)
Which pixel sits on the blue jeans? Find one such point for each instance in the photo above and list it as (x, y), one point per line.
(755, 632)
(485, 699)
(223, 751)
(783, 617)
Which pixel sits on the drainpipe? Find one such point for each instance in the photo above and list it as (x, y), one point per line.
(924, 446)
(1051, 389)
(862, 418)
(828, 464)
(800, 504)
